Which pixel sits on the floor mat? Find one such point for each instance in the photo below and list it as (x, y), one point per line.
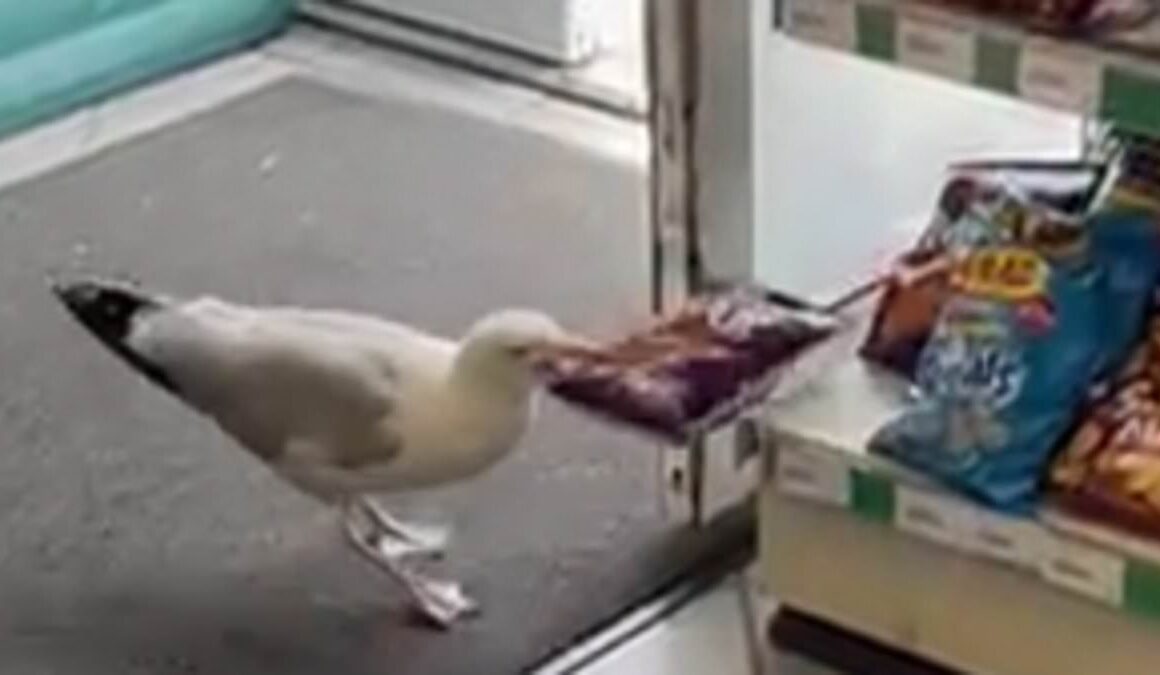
(136, 539)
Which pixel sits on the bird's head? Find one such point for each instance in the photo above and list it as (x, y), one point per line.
(511, 344)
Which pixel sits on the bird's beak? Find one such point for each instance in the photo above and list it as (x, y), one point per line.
(546, 353)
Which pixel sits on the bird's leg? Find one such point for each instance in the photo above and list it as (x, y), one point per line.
(401, 539)
(443, 602)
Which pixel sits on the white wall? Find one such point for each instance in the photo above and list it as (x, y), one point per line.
(819, 164)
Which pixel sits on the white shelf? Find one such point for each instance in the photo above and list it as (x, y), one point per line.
(818, 442)
(1095, 80)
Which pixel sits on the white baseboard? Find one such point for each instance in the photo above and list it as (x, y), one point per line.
(562, 31)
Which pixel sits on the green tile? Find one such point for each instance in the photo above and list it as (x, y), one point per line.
(1131, 99)
(876, 32)
(1142, 589)
(997, 65)
(872, 496)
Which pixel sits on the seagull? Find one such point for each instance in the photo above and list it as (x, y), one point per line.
(343, 406)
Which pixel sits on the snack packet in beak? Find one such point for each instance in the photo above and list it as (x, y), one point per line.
(697, 370)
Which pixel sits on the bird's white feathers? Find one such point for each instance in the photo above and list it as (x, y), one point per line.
(342, 403)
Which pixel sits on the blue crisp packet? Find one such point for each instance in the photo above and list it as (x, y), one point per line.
(1025, 334)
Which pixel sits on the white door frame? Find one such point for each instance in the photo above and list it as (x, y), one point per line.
(703, 197)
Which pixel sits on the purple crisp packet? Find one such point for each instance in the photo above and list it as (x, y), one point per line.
(695, 371)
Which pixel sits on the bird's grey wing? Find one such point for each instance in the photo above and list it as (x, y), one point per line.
(311, 466)
(269, 381)
(347, 323)
(405, 348)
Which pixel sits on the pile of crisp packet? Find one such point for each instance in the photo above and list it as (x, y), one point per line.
(1026, 319)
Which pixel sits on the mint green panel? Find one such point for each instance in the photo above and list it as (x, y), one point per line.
(125, 43)
(27, 23)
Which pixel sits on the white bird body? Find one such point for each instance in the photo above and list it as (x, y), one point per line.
(337, 403)
(341, 405)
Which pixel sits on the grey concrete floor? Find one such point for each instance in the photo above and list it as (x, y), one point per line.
(136, 539)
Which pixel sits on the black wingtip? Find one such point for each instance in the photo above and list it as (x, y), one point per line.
(110, 310)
